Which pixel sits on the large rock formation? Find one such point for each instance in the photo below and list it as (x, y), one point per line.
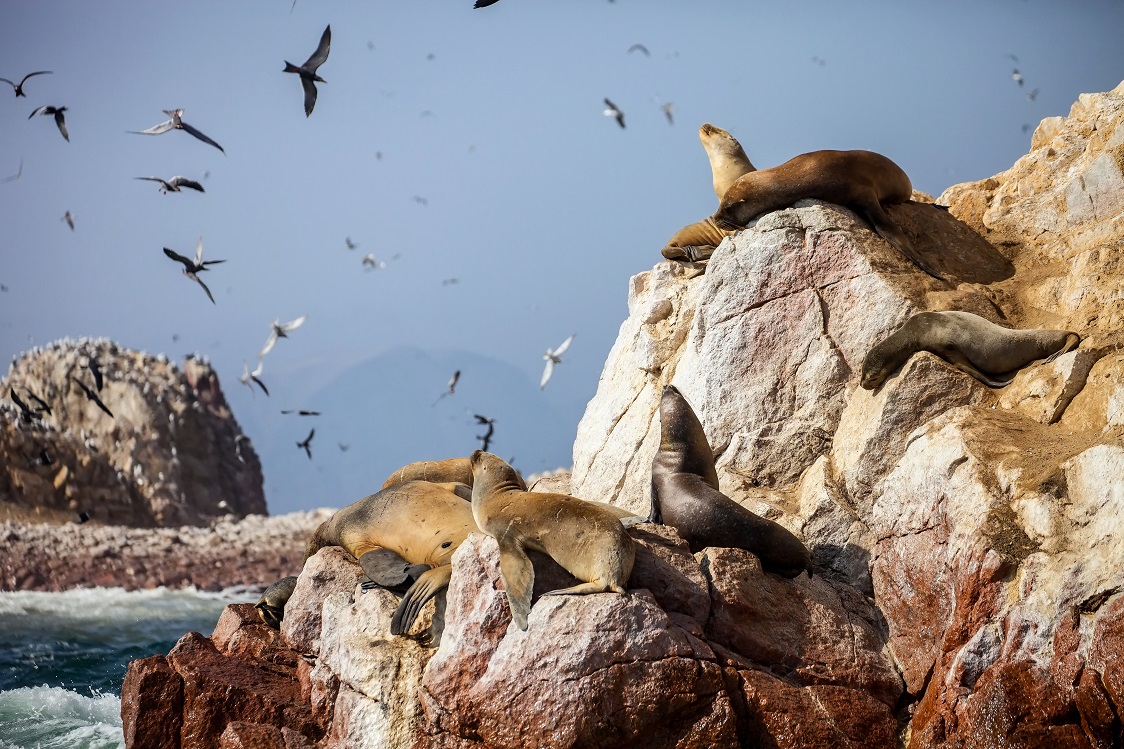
(969, 587)
(171, 454)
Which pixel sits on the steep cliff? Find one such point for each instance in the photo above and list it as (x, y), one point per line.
(969, 587)
(168, 452)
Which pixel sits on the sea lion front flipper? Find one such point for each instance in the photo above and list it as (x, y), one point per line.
(885, 227)
(387, 569)
(519, 578)
(960, 362)
(431, 582)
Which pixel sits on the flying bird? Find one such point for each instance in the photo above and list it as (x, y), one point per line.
(19, 86)
(249, 379)
(350, 245)
(300, 412)
(307, 72)
(552, 358)
(450, 281)
(344, 447)
(1029, 97)
(26, 414)
(176, 123)
(639, 48)
(452, 387)
(174, 184)
(667, 109)
(92, 396)
(370, 262)
(420, 200)
(484, 3)
(42, 405)
(60, 118)
(68, 217)
(307, 444)
(279, 330)
(614, 111)
(15, 176)
(1017, 77)
(819, 60)
(191, 267)
(486, 438)
(95, 370)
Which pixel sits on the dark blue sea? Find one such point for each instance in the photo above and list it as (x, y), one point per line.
(63, 657)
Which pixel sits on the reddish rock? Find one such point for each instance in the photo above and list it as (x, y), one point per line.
(241, 632)
(665, 567)
(329, 570)
(152, 704)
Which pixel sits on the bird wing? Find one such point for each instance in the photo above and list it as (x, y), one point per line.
(178, 257)
(200, 136)
(565, 345)
(15, 399)
(199, 252)
(96, 371)
(321, 54)
(43, 406)
(200, 282)
(40, 110)
(639, 48)
(163, 127)
(546, 373)
(185, 182)
(259, 369)
(153, 179)
(37, 72)
(60, 120)
(294, 324)
(269, 342)
(13, 85)
(309, 94)
(611, 105)
(260, 384)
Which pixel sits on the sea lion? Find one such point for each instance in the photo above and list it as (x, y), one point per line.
(976, 346)
(404, 533)
(727, 157)
(588, 541)
(271, 607)
(695, 242)
(457, 470)
(863, 181)
(685, 496)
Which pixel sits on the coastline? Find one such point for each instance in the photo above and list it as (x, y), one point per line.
(255, 551)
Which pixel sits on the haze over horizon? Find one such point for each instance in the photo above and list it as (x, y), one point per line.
(456, 143)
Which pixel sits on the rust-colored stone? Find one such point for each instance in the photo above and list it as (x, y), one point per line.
(152, 704)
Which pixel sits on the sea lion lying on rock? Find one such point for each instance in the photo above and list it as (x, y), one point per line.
(976, 346)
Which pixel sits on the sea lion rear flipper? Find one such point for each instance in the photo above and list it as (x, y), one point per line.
(519, 577)
(885, 227)
(1070, 344)
(386, 569)
(431, 582)
(993, 381)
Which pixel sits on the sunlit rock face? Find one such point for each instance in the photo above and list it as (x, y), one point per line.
(969, 568)
(171, 453)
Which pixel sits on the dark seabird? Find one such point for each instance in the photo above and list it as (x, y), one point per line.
(176, 123)
(614, 111)
(19, 86)
(307, 72)
(486, 438)
(280, 330)
(371, 263)
(43, 406)
(1017, 77)
(68, 217)
(60, 119)
(174, 184)
(307, 444)
(552, 358)
(450, 281)
(300, 412)
(83, 517)
(344, 447)
(484, 3)
(190, 267)
(26, 414)
(92, 396)
(95, 370)
(452, 387)
(639, 48)
(350, 245)
(667, 109)
(1029, 97)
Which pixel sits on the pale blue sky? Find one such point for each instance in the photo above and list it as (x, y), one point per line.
(539, 205)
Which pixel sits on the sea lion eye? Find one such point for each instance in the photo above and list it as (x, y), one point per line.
(446, 545)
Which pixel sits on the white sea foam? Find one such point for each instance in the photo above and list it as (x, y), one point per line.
(57, 718)
(108, 604)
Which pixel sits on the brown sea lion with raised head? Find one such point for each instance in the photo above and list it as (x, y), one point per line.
(685, 496)
(727, 158)
(976, 346)
(404, 535)
(587, 540)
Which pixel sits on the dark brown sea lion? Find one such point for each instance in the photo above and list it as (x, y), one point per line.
(978, 347)
(685, 496)
(271, 607)
(585, 539)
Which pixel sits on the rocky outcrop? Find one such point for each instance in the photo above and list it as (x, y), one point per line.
(170, 455)
(969, 590)
(253, 551)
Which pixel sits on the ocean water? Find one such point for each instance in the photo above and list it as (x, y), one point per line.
(63, 657)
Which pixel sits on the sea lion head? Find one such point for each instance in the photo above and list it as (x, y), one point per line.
(727, 157)
(878, 364)
(271, 607)
(683, 444)
(490, 472)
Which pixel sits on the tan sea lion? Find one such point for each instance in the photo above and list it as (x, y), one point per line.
(404, 534)
(454, 469)
(588, 541)
(863, 181)
(976, 346)
(727, 157)
(695, 242)
(685, 496)
(271, 607)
